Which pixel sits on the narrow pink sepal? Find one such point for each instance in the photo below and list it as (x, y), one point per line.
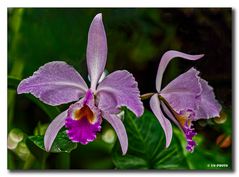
(166, 58)
(119, 128)
(96, 50)
(164, 122)
(53, 130)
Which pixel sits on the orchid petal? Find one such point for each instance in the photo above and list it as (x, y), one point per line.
(189, 92)
(53, 129)
(120, 89)
(96, 50)
(170, 115)
(209, 106)
(182, 93)
(108, 102)
(119, 128)
(54, 83)
(164, 122)
(166, 58)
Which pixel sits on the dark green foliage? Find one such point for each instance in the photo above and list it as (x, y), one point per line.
(61, 144)
(147, 146)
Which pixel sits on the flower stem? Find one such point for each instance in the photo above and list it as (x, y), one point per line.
(146, 96)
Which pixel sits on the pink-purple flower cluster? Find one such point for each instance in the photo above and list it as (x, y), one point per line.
(184, 100)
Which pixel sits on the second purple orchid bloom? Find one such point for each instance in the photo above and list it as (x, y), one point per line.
(184, 100)
(57, 83)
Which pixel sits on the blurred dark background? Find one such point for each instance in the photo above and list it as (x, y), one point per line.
(137, 38)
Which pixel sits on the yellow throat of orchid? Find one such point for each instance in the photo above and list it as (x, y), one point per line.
(181, 118)
(84, 112)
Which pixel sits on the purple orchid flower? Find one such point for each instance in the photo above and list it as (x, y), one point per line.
(185, 99)
(57, 83)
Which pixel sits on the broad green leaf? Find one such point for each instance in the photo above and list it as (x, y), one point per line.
(209, 159)
(51, 111)
(147, 146)
(61, 144)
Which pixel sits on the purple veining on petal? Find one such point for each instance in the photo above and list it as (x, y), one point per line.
(83, 120)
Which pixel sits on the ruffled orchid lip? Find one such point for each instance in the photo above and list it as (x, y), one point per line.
(184, 118)
(83, 120)
(190, 133)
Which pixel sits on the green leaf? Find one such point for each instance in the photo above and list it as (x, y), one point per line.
(51, 111)
(206, 156)
(61, 143)
(147, 146)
